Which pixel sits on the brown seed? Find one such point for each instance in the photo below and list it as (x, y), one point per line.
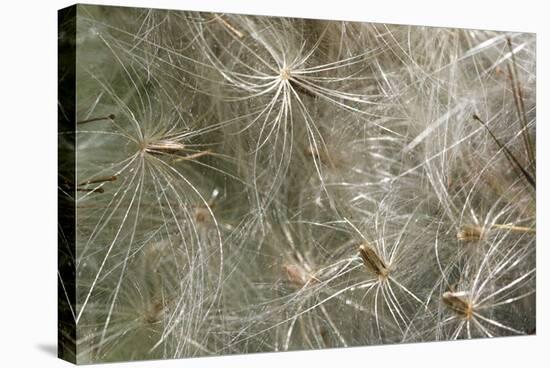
(164, 146)
(298, 275)
(155, 312)
(372, 260)
(202, 214)
(470, 233)
(458, 303)
(295, 274)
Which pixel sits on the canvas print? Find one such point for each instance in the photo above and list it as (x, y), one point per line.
(234, 184)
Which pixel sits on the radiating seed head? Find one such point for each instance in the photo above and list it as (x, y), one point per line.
(285, 74)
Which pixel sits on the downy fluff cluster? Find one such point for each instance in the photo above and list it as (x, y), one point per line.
(251, 184)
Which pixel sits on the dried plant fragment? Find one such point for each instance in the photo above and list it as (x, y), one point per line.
(520, 105)
(474, 233)
(514, 228)
(81, 187)
(110, 117)
(509, 155)
(98, 180)
(91, 190)
(229, 26)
